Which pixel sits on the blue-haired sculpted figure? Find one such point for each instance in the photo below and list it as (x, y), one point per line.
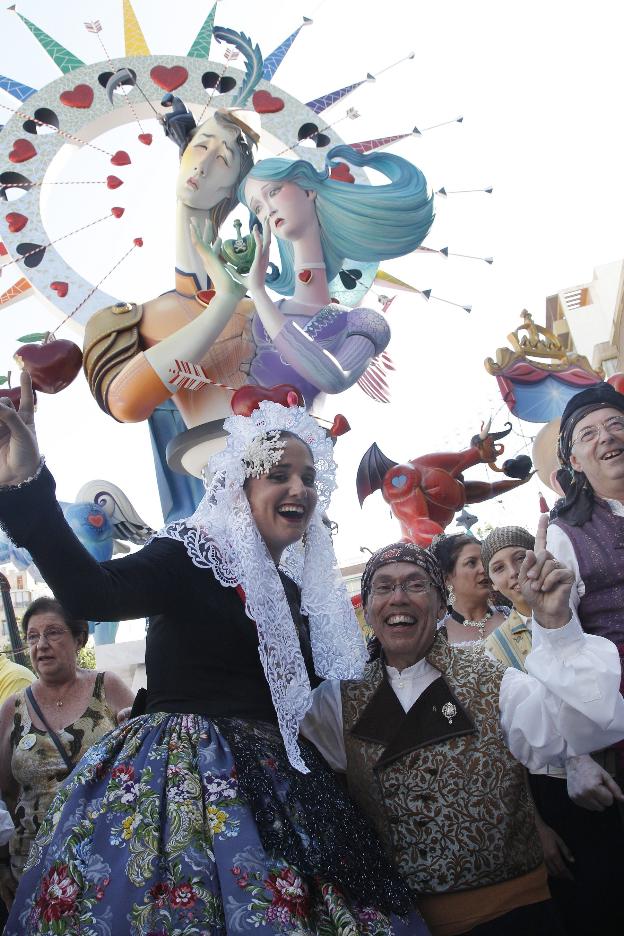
(131, 351)
(319, 222)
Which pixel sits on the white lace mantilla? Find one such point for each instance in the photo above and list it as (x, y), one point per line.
(222, 536)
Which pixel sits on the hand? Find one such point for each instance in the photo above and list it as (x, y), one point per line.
(257, 275)
(124, 714)
(19, 452)
(8, 885)
(589, 785)
(545, 583)
(221, 276)
(557, 855)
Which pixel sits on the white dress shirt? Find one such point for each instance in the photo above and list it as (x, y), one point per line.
(567, 703)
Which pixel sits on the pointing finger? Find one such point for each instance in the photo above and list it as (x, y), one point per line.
(540, 536)
(27, 400)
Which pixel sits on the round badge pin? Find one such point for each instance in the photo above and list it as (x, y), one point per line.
(27, 742)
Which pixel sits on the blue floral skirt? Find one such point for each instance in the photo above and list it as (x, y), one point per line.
(162, 830)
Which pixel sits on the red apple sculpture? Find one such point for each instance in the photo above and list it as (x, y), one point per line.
(246, 399)
(617, 381)
(14, 394)
(51, 362)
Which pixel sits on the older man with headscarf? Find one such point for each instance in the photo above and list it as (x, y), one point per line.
(429, 740)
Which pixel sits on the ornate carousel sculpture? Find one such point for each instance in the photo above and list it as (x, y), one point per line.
(536, 377)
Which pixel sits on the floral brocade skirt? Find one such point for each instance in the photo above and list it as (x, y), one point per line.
(174, 825)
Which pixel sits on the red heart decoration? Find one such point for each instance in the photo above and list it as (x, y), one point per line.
(3, 251)
(117, 212)
(339, 426)
(17, 222)
(205, 296)
(138, 241)
(265, 103)
(341, 173)
(120, 158)
(22, 151)
(112, 182)
(304, 276)
(246, 399)
(96, 520)
(145, 138)
(168, 78)
(81, 96)
(60, 288)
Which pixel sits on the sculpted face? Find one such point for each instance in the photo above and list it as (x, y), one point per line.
(601, 459)
(288, 208)
(283, 500)
(210, 166)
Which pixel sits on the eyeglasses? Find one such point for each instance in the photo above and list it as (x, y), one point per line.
(614, 424)
(53, 635)
(408, 588)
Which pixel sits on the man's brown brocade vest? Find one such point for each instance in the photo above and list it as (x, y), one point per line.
(448, 799)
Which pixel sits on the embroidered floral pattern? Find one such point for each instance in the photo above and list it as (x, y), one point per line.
(151, 837)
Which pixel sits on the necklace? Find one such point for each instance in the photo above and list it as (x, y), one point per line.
(480, 625)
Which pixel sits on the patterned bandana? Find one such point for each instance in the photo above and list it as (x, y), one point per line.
(402, 552)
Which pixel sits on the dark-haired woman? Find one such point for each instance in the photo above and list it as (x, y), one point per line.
(79, 705)
(471, 617)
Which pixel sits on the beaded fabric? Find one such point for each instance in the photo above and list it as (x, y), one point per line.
(221, 535)
(310, 820)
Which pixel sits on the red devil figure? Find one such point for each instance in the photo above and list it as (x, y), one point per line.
(425, 493)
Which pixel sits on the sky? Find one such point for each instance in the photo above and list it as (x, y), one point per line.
(537, 84)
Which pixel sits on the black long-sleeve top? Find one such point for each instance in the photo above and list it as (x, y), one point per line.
(201, 648)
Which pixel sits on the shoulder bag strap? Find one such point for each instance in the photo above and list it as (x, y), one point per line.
(55, 738)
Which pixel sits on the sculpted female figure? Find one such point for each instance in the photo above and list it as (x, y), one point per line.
(305, 340)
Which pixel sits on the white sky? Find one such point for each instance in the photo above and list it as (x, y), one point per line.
(537, 84)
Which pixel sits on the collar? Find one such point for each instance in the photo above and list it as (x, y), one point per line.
(518, 622)
(435, 717)
(415, 671)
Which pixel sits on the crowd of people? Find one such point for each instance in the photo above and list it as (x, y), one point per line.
(479, 737)
(460, 774)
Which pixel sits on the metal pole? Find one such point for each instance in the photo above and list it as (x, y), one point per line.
(19, 654)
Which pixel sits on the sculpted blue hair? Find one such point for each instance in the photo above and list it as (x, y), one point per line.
(357, 221)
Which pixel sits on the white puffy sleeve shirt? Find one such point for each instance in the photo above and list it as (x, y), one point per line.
(567, 703)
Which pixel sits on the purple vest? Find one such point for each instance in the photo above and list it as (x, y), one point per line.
(599, 549)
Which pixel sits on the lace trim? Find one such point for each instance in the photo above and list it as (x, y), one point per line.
(227, 541)
(21, 484)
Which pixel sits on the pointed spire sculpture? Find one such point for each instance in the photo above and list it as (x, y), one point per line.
(201, 43)
(273, 61)
(16, 88)
(65, 60)
(133, 34)
(319, 104)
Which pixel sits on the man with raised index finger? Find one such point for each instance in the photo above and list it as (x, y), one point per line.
(431, 739)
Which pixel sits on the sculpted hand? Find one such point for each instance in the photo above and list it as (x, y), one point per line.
(589, 785)
(221, 276)
(545, 583)
(19, 452)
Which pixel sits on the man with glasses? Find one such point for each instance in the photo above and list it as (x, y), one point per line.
(429, 739)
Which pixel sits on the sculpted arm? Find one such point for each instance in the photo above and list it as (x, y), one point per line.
(145, 380)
